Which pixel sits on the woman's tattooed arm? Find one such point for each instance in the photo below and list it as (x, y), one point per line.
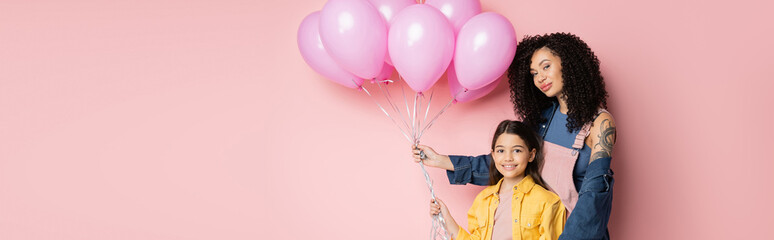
(603, 146)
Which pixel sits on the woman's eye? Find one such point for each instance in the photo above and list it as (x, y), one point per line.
(533, 74)
(546, 67)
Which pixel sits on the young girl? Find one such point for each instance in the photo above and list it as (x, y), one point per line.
(517, 206)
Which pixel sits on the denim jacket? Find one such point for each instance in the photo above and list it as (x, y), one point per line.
(592, 212)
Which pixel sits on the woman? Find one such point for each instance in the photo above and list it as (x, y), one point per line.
(558, 90)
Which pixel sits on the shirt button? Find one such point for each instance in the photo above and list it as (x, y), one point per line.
(516, 220)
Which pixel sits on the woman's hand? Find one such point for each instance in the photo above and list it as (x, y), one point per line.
(432, 158)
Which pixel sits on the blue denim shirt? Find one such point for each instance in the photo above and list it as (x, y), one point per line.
(592, 212)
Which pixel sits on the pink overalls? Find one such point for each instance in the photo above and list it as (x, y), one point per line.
(559, 164)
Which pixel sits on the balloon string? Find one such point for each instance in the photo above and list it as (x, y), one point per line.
(428, 104)
(438, 221)
(438, 114)
(414, 117)
(404, 96)
(388, 115)
(388, 96)
(437, 218)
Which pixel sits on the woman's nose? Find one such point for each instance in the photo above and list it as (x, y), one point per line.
(541, 77)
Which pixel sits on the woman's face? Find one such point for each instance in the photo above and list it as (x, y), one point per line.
(546, 70)
(511, 155)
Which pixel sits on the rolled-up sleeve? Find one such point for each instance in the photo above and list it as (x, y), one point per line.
(592, 212)
(469, 169)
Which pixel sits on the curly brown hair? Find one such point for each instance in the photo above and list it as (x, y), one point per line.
(584, 87)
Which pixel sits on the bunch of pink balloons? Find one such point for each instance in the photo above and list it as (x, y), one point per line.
(349, 41)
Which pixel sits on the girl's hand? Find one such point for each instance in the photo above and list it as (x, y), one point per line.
(433, 159)
(437, 207)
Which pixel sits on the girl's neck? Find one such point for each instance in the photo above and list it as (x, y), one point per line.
(562, 103)
(509, 183)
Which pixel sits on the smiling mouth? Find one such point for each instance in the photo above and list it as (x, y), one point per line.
(546, 86)
(508, 166)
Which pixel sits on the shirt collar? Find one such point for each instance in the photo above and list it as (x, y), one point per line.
(524, 186)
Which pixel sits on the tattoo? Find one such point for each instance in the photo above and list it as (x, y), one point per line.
(606, 141)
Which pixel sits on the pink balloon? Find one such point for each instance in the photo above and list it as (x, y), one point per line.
(421, 44)
(461, 95)
(457, 11)
(314, 53)
(355, 35)
(485, 48)
(386, 72)
(388, 9)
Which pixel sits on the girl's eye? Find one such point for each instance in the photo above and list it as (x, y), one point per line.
(499, 151)
(533, 74)
(546, 67)
(517, 150)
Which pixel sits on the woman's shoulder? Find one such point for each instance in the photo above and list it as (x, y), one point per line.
(603, 116)
(602, 136)
(603, 121)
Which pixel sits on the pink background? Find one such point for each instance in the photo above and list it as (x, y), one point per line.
(200, 120)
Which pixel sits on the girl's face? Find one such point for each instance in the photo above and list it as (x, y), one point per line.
(511, 155)
(546, 70)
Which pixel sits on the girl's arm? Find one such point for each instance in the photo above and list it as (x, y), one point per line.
(440, 208)
(552, 223)
(459, 169)
(458, 233)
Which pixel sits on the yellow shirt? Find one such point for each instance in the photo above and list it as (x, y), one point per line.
(537, 213)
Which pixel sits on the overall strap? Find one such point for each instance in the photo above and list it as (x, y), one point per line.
(585, 131)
